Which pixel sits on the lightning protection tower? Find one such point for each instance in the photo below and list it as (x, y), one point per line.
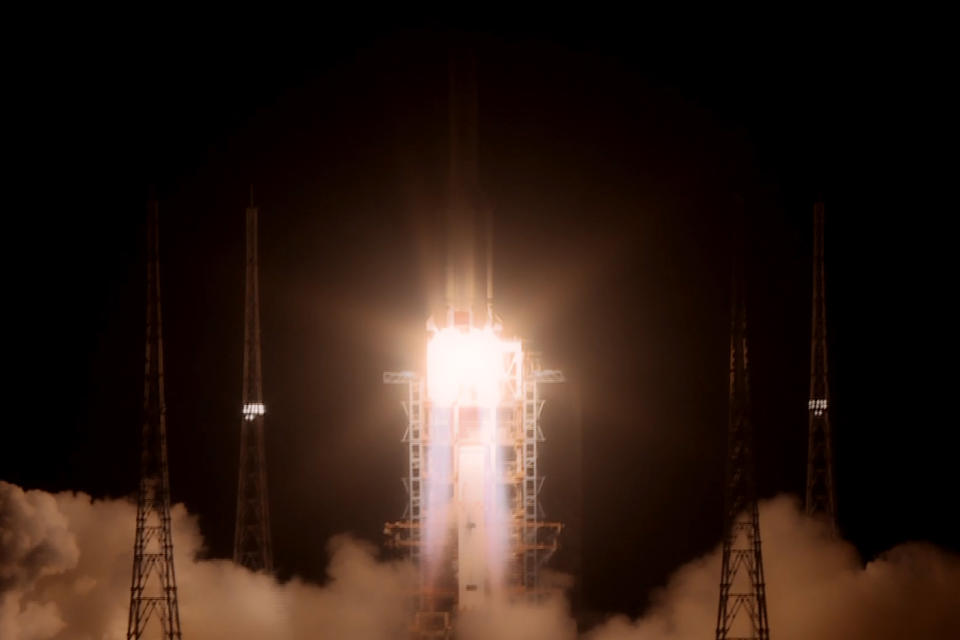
(251, 543)
(153, 589)
(742, 613)
(821, 499)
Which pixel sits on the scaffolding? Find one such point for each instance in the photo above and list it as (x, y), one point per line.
(531, 539)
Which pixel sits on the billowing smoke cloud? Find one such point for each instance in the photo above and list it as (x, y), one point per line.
(546, 620)
(549, 620)
(65, 570)
(65, 575)
(35, 541)
(817, 588)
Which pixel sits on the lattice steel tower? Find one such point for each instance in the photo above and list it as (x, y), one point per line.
(251, 542)
(821, 498)
(742, 613)
(153, 588)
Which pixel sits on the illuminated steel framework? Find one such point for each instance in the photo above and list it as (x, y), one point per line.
(530, 539)
(251, 543)
(742, 614)
(821, 497)
(153, 587)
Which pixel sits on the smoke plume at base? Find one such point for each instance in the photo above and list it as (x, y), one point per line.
(65, 565)
(817, 588)
(65, 575)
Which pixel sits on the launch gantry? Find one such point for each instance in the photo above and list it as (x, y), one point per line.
(445, 449)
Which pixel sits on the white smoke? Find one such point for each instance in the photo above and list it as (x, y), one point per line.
(549, 619)
(35, 542)
(65, 575)
(65, 564)
(816, 588)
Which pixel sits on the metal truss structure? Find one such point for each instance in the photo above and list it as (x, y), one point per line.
(251, 543)
(742, 614)
(153, 587)
(821, 497)
(532, 539)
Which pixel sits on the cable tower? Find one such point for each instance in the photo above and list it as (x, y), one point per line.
(821, 498)
(153, 588)
(251, 543)
(742, 614)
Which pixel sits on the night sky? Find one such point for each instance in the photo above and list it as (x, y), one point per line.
(614, 160)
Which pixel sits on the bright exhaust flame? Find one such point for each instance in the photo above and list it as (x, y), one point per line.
(470, 371)
(467, 366)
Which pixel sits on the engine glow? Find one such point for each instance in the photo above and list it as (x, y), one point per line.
(471, 367)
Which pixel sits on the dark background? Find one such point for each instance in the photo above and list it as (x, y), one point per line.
(614, 158)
